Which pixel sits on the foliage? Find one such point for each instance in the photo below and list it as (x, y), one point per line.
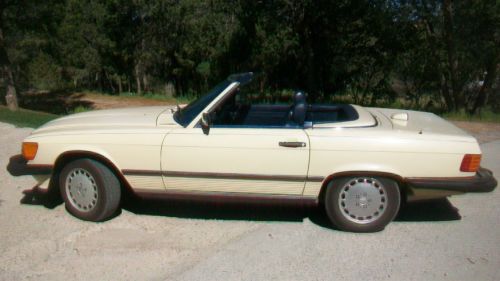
(80, 109)
(485, 115)
(160, 97)
(438, 54)
(458, 53)
(43, 73)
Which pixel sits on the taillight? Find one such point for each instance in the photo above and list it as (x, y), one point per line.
(29, 150)
(470, 163)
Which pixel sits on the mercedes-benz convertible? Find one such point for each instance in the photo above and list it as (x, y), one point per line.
(237, 143)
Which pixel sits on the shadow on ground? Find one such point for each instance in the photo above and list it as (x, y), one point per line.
(432, 210)
(36, 196)
(56, 102)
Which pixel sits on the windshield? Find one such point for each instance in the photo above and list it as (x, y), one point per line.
(185, 115)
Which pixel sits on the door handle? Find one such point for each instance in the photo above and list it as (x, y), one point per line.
(292, 144)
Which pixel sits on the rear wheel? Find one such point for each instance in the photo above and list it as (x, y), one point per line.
(90, 190)
(362, 204)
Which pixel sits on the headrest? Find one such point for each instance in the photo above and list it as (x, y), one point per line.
(300, 97)
(299, 113)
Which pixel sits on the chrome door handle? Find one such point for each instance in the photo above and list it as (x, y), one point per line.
(292, 144)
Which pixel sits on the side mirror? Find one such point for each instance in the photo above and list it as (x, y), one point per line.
(205, 123)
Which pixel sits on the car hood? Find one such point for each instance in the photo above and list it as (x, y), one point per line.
(111, 119)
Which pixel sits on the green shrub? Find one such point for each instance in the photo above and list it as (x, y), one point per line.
(44, 74)
(80, 108)
(485, 115)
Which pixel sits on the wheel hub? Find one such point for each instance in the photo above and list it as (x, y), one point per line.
(81, 189)
(362, 200)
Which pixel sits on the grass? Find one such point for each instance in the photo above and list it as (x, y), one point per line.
(160, 97)
(483, 116)
(152, 96)
(24, 117)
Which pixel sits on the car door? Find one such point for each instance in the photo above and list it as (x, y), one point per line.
(236, 159)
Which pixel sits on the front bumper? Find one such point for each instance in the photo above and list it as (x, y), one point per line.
(18, 166)
(483, 181)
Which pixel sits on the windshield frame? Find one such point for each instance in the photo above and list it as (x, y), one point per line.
(185, 115)
(191, 112)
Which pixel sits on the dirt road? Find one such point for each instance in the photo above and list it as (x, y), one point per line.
(457, 239)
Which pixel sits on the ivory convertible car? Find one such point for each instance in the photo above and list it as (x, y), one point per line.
(360, 163)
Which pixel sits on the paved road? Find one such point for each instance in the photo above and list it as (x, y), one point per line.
(455, 239)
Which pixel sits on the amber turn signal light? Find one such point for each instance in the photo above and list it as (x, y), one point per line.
(470, 163)
(29, 150)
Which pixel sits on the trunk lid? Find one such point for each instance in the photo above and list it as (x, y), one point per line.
(422, 123)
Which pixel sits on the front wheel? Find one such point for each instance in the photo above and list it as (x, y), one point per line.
(362, 204)
(90, 190)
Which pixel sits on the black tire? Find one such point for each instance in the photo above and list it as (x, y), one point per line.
(102, 192)
(382, 205)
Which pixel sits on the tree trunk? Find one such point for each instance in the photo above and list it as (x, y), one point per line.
(145, 82)
(120, 86)
(110, 81)
(138, 79)
(432, 40)
(311, 70)
(450, 105)
(11, 96)
(97, 81)
(452, 56)
(487, 83)
(169, 90)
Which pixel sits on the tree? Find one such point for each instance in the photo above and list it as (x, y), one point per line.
(444, 53)
(11, 96)
(27, 31)
(458, 43)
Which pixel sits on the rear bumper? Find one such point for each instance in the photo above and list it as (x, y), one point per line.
(483, 181)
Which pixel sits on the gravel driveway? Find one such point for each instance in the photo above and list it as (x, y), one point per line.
(455, 239)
